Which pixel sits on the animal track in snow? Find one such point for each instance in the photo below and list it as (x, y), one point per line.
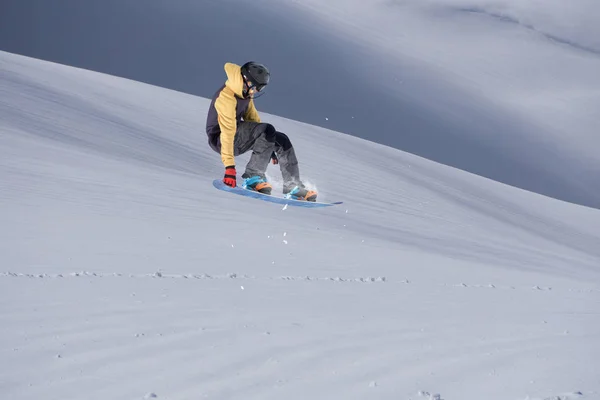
(160, 275)
(564, 396)
(429, 396)
(203, 276)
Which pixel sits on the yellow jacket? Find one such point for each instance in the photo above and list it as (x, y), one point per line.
(232, 108)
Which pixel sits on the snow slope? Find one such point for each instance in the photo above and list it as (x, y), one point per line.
(514, 82)
(125, 275)
(505, 89)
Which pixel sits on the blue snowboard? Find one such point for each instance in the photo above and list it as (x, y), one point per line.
(273, 199)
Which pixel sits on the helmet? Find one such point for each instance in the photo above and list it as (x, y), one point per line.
(255, 75)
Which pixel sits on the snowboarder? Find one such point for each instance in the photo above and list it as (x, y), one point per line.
(234, 127)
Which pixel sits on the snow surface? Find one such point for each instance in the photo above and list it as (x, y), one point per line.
(126, 275)
(517, 80)
(505, 89)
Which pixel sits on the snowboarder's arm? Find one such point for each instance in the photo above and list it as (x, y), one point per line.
(251, 113)
(225, 106)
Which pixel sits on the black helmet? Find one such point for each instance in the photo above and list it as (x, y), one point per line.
(255, 75)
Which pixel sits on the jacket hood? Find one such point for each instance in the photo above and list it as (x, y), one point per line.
(234, 78)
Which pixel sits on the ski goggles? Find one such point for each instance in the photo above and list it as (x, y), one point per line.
(251, 85)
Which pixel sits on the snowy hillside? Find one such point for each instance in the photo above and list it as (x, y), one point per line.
(515, 83)
(505, 89)
(125, 275)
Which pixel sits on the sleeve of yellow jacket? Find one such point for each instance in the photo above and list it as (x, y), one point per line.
(251, 113)
(225, 106)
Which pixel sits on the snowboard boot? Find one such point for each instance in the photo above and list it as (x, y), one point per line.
(256, 183)
(299, 192)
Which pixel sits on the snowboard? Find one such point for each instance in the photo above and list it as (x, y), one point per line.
(271, 198)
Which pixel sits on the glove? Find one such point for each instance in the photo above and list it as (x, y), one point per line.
(274, 159)
(230, 175)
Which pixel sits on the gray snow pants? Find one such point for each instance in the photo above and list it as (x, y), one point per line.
(263, 140)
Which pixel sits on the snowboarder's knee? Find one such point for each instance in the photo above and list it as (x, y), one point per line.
(283, 140)
(268, 130)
